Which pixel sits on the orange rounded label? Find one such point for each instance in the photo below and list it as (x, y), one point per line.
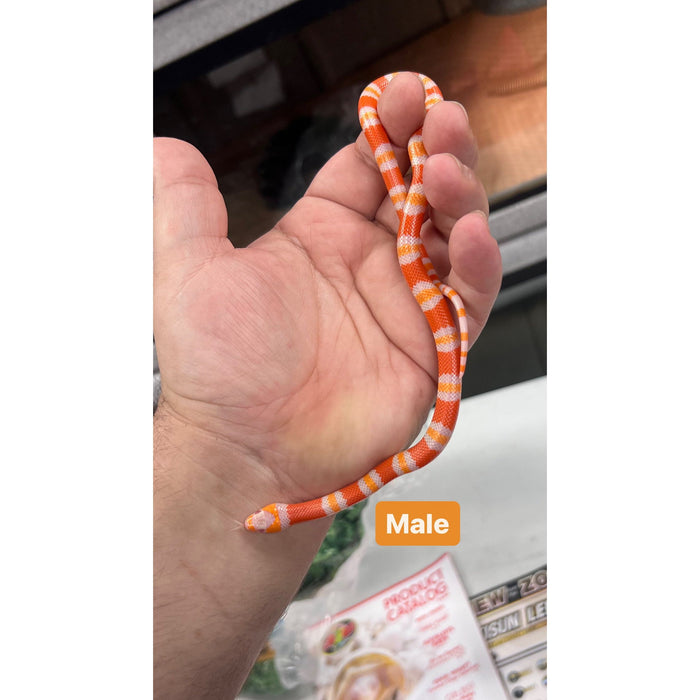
(417, 523)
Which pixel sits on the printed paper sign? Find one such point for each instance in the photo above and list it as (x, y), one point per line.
(513, 619)
(417, 640)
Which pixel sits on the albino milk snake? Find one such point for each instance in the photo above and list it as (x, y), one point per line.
(429, 292)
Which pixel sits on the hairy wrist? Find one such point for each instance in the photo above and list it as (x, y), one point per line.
(218, 588)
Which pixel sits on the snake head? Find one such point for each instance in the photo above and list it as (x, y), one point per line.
(266, 519)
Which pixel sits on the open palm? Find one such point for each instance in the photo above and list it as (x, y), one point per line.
(307, 349)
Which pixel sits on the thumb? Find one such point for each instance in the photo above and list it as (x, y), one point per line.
(189, 214)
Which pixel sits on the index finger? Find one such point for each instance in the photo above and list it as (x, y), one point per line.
(351, 178)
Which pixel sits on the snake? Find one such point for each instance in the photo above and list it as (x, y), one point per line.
(433, 296)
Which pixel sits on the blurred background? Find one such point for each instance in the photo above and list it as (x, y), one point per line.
(268, 90)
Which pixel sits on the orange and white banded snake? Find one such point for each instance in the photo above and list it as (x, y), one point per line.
(430, 293)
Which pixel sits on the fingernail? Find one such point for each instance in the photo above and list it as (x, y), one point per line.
(463, 108)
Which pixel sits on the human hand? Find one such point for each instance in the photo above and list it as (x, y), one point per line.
(288, 369)
(306, 351)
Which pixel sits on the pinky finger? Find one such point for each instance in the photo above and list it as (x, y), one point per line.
(476, 272)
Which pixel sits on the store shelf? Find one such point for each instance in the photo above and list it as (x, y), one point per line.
(182, 28)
